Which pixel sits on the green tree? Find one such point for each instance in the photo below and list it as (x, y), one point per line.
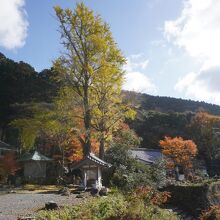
(46, 120)
(202, 132)
(127, 173)
(108, 114)
(91, 66)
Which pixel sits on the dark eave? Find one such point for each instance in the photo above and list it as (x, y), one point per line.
(90, 159)
(6, 147)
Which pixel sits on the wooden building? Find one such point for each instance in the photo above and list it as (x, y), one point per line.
(91, 170)
(35, 166)
(146, 156)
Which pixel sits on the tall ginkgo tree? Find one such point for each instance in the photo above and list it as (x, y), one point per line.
(91, 67)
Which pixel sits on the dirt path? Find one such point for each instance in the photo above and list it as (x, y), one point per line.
(13, 206)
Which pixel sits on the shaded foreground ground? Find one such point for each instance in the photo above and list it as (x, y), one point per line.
(13, 206)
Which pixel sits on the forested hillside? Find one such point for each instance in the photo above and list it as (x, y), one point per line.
(21, 84)
(157, 116)
(169, 104)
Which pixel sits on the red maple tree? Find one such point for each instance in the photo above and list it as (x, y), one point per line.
(178, 151)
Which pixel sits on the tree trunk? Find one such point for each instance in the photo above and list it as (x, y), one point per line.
(102, 148)
(87, 145)
(63, 161)
(87, 122)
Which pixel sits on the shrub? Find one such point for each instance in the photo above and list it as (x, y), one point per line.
(150, 213)
(158, 173)
(111, 207)
(150, 196)
(64, 214)
(127, 173)
(213, 213)
(130, 179)
(114, 207)
(8, 165)
(195, 197)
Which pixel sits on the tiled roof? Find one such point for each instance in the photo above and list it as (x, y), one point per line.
(36, 156)
(146, 155)
(90, 158)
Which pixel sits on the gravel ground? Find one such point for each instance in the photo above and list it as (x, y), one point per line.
(13, 206)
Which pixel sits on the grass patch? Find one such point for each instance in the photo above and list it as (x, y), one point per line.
(30, 188)
(40, 188)
(113, 207)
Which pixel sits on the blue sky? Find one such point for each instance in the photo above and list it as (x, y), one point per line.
(171, 46)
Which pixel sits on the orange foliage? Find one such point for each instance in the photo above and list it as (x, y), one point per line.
(151, 196)
(73, 148)
(95, 146)
(8, 163)
(179, 151)
(123, 126)
(206, 118)
(76, 148)
(211, 213)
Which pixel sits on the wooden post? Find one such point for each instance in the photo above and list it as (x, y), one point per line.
(177, 172)
(85, 178)
(99, 177)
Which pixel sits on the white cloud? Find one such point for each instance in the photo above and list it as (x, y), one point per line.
(197, 30)
(158, 43)
(138, 82)
(13, 24)
(203, 85)
(135, 79)
(136, 62)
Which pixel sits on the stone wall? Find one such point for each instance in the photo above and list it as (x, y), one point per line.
(194, 198)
